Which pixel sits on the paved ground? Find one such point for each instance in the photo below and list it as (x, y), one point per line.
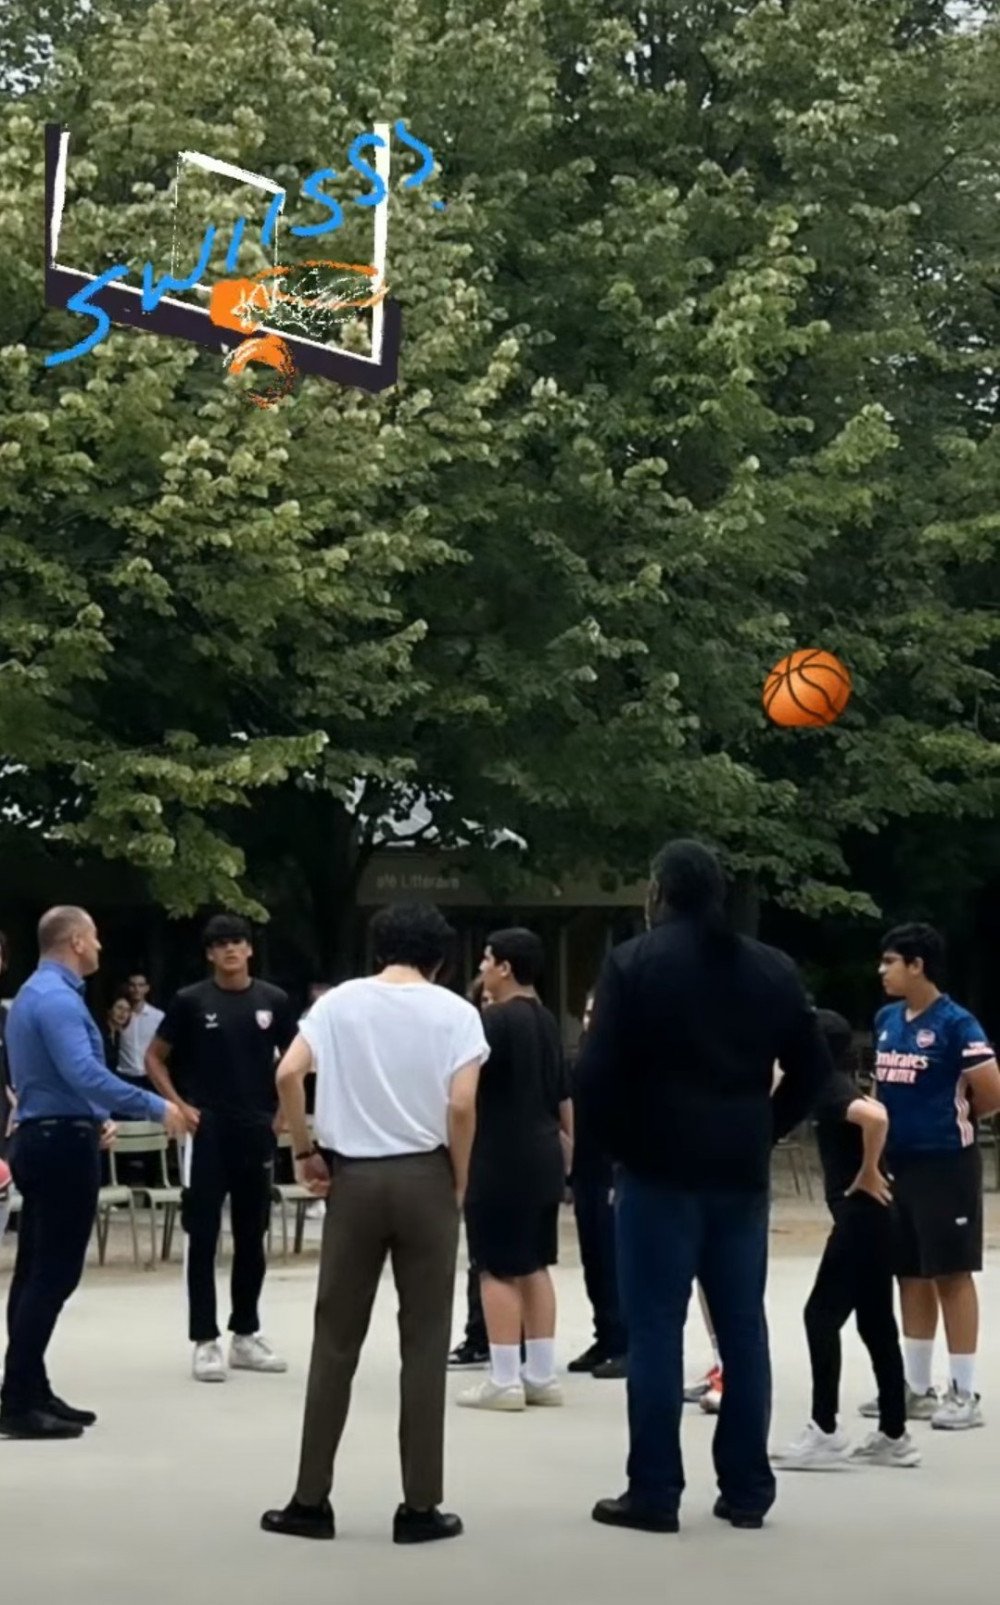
(160, 1502)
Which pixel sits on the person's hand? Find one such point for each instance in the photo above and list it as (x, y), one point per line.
(175, 1121)
(109, 1133)
(313, 1174)
(873, 1183)
(191, 1117)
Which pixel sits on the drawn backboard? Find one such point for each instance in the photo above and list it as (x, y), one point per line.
(357, 347)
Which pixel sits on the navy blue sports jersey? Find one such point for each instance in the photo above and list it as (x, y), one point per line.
(920, 1066)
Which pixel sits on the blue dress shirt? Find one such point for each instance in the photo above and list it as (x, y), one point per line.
(56, 1058)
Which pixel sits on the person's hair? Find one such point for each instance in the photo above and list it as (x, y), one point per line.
(137, 975)
(917, 941)
(416, 934)
(522, 950)
(690, 884)
(58, 925)
(838, 1037)
(226, 928)
(120, 998)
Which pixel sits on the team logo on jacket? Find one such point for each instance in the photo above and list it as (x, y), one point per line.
(925, 1039)
(264, 1018)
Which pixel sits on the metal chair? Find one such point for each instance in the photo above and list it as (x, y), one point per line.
(147, 1137)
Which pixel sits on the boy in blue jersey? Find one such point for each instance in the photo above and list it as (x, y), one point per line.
(936, 1074)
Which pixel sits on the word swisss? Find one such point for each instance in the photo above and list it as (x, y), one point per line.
(85, 301)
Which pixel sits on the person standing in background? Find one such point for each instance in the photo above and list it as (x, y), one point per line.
(116, 1024)
(675, 1079)
(223, 1036)
(518, 1177)
(140, 1030)
(65, 1097)
(936, 1073)
(397, 1065)
(593, 1194)
(473, 1353)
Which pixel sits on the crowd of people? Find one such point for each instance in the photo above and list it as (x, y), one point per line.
(411, 1109)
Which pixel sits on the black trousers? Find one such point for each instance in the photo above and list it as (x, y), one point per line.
(234, 1161)
(595, 1225)
(475, 1326)
(856, 1276)
(57, 1169)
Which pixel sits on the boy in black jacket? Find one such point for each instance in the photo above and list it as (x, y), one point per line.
(855, 1276)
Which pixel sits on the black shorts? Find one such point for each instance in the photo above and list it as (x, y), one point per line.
(513, 1238)
(939, 1210)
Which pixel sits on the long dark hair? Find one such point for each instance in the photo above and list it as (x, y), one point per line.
(688, 883)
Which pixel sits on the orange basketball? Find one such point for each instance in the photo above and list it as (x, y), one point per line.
(808, 687)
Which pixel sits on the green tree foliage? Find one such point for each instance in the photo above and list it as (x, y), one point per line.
(698, 366)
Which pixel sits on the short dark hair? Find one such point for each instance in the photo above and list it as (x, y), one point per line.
(416, 934)
(522, 949)
(918, 941)
(226, 928)
(838, 1036)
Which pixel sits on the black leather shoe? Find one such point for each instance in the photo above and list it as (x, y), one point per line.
(614, 1370)
(751, 1520)
(37, 1424)
(424, 1526)
(625, 1512)
(65, 1412)
(301, 1521)
(587, 1361)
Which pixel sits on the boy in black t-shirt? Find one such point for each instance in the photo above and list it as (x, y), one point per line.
(223, 1037)
(855, 1275)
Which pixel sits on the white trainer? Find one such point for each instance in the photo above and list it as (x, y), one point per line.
(543, 1393)
(878, 1450)
(208, 1364)
(816, 1451)
(254, 1353)
(958, 1411)
(919, 1406)
(489, 1395)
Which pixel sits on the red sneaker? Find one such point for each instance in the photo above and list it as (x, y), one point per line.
(711, 1401)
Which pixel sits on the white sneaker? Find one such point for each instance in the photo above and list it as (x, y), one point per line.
(958, 1412)
(488, 1395)
(919, 1406)
(254, 1354)
(878, 1450)
(815, 1451)
(208, 1364)
(545, 1393)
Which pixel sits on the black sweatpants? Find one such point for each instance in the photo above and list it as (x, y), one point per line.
(227, 1159)
(595, 1225)
(856, 1276)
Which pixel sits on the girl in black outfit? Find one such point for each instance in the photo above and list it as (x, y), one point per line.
(118, 1017)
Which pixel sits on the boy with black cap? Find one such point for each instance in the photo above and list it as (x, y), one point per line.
(224, 1036)
(855, 1275)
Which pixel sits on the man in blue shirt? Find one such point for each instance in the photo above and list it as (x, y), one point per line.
(65, 1096)
(936, 1074)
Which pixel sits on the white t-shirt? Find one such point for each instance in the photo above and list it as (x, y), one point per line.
(136, 1037)
(385, 1054)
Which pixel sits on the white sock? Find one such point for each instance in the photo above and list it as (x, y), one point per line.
(540, 1362)
(505, 1364)
(963, 1372)
(919, 1353)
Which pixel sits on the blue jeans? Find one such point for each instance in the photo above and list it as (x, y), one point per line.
(666, 1240)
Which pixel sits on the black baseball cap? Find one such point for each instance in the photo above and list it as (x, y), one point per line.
(227, 928)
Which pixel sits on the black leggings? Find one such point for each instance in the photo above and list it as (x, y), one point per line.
(855, 1274)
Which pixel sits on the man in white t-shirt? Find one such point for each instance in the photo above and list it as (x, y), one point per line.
(140, 1031)
(397, 1064)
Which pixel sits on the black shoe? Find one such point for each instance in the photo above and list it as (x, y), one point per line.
(423, 1526)
(624, 1512)
(751, 1520)
(614, 1370)
(62, 1411)
(37, 1424)
(588, 1360)
(468, 1358)
(301, 1521)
